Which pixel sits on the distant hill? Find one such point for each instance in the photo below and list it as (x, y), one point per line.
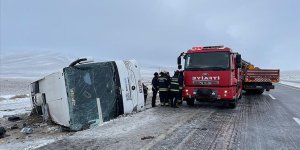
(31, 65)
(36, 65)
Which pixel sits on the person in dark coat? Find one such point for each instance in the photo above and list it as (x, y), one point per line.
(180, 81)
(174, 89)
(154, 88)
(169, 96)
(145, 90)
(2, 132)
(163, 84)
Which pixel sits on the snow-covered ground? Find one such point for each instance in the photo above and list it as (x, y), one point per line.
(290, 75)
(291, 78)
(15, 106)
(294, 84)
(35, 65)
(147, 71)
(14, 96)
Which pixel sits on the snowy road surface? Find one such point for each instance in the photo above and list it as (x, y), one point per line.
(259, 122)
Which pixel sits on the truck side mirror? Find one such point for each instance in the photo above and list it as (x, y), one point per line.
(238, 60)
(179, 60)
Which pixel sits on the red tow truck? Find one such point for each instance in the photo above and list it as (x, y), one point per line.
(216, 73)
(211, 73)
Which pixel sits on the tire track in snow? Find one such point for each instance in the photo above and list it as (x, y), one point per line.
(162, 136)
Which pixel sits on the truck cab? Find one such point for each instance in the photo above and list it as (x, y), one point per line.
(211, 73)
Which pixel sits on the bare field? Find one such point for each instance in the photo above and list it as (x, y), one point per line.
(12, 86)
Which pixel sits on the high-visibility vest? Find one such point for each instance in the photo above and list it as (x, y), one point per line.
(180, 81)
(174, 86)
(163, 83)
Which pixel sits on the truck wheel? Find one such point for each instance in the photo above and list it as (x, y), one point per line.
(255, 91)
(259, 92)
(232, 104)
(190, 101)
(180, 102)
(240, 97)
(249, 92)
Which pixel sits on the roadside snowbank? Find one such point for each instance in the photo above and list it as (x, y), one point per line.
(290, 75)
(294, 84)
(14, 106)
(291, 78)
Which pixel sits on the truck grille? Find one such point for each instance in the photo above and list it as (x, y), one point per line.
(205, 82)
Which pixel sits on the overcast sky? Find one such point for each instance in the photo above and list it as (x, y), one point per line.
(154, 32)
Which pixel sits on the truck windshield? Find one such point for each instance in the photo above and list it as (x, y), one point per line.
(207, 61)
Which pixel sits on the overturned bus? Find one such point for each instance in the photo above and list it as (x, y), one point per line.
(85, 95)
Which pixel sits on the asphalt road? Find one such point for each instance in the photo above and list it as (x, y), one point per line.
(268, 121)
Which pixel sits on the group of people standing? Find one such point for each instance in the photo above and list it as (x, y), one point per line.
(169, 88)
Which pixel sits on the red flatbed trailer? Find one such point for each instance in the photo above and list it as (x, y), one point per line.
(256, 80)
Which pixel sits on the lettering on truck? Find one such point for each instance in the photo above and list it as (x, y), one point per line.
(206, 80)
